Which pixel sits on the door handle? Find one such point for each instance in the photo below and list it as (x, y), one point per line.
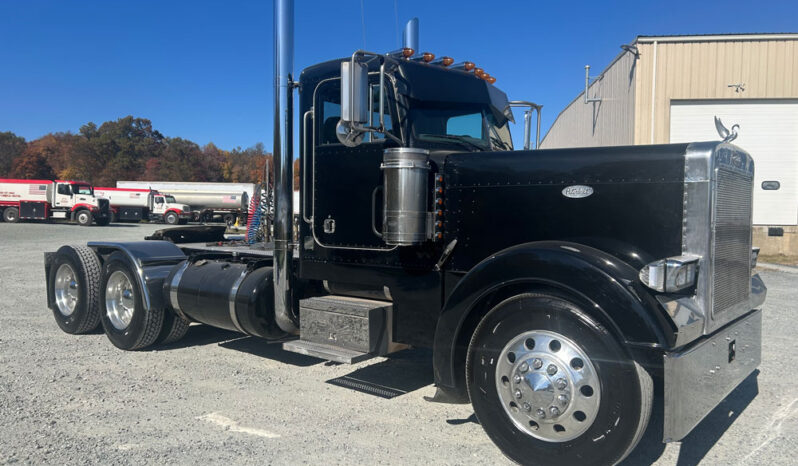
(374, 211)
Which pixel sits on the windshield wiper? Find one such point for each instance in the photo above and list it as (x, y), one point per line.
(503, 145)
(456, 138)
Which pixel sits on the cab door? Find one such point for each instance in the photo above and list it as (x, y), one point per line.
(344, 179)
(63, 196)
(159, 205)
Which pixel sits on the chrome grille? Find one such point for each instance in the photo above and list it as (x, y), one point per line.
(103, 204)
(732, 241)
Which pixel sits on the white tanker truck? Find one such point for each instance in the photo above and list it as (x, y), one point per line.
(226, 202)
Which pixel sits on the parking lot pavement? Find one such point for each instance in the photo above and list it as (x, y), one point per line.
(218, 397)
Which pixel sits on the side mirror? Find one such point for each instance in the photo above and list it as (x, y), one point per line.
(354, 103)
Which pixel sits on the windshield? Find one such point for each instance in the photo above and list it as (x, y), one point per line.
(170, 199)
(82, 189)
(471, 127)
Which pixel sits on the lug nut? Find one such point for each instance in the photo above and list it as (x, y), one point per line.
(518, 394)
(537, 363)
(517, 378)
(555, 411)
(551, 370)
(527, 407)
(541, 414)
(563, 399)
(561, 383)
(523, 367)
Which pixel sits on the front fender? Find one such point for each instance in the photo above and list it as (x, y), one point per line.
(605, 286)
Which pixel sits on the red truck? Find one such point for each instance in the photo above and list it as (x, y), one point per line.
(46, 199)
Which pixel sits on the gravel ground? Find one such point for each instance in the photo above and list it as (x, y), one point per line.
(217, 397)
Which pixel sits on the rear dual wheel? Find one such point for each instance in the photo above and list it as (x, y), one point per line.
(74, 289)
(126, 322)
(550, 385)
(11, 214)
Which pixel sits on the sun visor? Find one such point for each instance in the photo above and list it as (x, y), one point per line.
(432, 83)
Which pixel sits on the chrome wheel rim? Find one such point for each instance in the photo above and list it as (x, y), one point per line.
(83, 217)
(66, 289)
(547, 386)
(119, 300)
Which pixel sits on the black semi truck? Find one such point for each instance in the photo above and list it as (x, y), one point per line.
(557, 288)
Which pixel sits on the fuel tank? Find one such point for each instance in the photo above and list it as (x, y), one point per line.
(230, 295)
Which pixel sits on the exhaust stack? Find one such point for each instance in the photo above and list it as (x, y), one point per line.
(410, 35)
(283, 164)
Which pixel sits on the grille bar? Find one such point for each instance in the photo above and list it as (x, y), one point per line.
(732, 240)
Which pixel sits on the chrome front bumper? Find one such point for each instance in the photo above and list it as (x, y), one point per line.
(700, 376)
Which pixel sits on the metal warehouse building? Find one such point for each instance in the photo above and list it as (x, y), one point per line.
(669, 88)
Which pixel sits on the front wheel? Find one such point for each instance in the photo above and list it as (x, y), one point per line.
(84, 218)
(171, 218)
(550, 385)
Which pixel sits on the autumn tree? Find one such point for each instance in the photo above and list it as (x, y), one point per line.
(31, 165)
(11, 147)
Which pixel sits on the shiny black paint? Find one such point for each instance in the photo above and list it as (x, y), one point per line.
(495, 200)
(603, 285)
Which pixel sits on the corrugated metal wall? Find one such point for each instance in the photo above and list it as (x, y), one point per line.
(704, 70)
(606, 123)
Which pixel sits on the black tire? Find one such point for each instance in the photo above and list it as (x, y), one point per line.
(229, 219)
(144, 325)
(171, 218)
(174, 328)
(104, 221)
(11, 215)
(112, 216)
(85, 317)
(625, 388)
(84, 217)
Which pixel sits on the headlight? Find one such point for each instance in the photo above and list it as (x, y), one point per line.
(671, 274)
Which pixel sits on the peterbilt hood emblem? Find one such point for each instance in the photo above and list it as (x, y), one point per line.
(577, 191)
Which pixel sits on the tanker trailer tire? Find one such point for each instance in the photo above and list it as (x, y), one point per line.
(84, 218)
(11, 215)
(174, 328)
(229, 219)
(126, 322)
(171, 218)
(551, 385)
(74, 288)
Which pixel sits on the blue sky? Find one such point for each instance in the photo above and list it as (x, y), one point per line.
(202, 70)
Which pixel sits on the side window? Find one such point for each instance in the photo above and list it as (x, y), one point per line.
(159, 200)
(329, 108)
(465, 125)
(64, 189)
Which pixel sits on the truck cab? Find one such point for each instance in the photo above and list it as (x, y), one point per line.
(76, 200)
(164, 207)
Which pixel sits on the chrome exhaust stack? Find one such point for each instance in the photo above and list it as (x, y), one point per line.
(283, 165)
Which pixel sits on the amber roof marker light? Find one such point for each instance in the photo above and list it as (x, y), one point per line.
(447, 61)
(469, 65)
(407, 52)
(428, 57)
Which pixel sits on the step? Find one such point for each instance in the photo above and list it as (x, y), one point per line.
(328, 352)
(356, 324)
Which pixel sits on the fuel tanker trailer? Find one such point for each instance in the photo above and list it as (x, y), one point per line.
(226, 202)
(560, 290)
(144, 204)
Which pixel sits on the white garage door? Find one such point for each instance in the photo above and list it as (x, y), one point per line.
(768, 131)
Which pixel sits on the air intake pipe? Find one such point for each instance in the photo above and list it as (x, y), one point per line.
(283, 165)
